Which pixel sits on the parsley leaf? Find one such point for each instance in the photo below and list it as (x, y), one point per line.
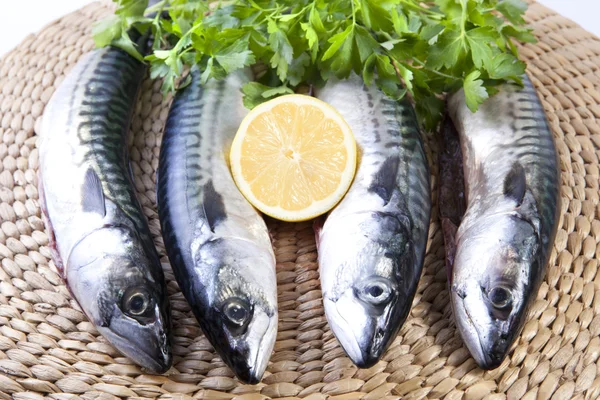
(338, 41)
(475, 93)
(256, 93)
(513, 10)
(506, 66)
(131, 8)
(107, 30)
(235, 56)
(283, 51)
(431, 109)
(427, 48)
(448, 51)
(340, 52)
(479, 40)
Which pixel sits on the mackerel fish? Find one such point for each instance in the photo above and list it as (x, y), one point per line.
(100, 238)
(372, 245)
(218, 244)
(503, 242)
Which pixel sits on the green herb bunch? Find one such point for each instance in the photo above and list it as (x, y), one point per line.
(424, 47)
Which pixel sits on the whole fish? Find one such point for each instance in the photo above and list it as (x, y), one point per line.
(101, 238)
(511, 178)
(218, 244)
(372, 245)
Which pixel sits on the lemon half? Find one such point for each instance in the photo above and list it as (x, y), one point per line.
(293, 157)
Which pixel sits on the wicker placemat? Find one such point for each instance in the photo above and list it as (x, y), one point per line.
(49, 350)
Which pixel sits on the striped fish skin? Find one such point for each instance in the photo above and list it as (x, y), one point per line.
(218, 244)
(372, 245)
(101, 240)
(503, 243)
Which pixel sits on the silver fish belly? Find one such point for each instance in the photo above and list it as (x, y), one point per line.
(503, 243)
(101, 240)
(218, 244)
(371, 246)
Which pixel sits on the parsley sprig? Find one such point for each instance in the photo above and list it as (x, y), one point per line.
(426, 48)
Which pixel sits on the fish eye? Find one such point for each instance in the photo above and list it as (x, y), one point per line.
(137, 302)
(376, 291)
(500, 297)
(237, 311)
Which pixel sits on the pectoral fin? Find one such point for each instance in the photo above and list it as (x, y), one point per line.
(515, 183)
(93, 194)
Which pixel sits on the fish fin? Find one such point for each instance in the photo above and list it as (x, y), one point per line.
(271, 233)
(105, 311)
(384, 182)
(214, 208)
(93, 194)
(449, 230)
(58, 262)
(318, 228)
(515, 183)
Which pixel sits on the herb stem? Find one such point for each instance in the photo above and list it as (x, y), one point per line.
(181, 41)
(300, 13)
(158, 8)
(422, 64)
(417, 7)
(156, 23)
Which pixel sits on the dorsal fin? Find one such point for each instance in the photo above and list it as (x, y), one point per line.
(318, 228)
(93, 194)
(515, 183)
(384, 181)
(214, 209)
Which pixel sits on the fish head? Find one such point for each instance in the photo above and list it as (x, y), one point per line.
(107, 273)
(492, 285)
(368, 297)
(241, 318)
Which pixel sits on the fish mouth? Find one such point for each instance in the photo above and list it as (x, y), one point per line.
(247, 375)
(151, 364)
(261, 360)
(348, 342)
(491, 362)
(366, 350)
(476, 349)
(157, 363)
(371, 354)
(484, 359)
(247, 355)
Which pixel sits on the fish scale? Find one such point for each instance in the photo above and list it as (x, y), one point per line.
(217, 243)
(104, 88)
(529, 142)
(418, 178)
(100, 238)
(539, 151)
(185, 117)
(372, 244)
(104, 115)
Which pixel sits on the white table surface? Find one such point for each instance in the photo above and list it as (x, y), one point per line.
(21, 17)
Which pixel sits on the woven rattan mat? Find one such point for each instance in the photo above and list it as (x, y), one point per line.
(49, 350)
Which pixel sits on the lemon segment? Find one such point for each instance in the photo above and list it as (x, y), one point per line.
(293, 157)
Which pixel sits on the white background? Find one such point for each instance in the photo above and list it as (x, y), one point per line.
(21, 17)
